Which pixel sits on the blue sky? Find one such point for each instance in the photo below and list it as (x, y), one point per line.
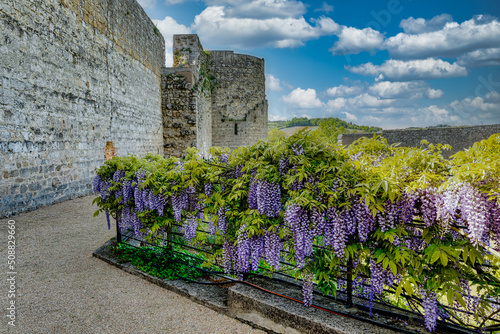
(387, 63)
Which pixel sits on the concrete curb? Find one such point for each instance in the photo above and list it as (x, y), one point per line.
(254, 307)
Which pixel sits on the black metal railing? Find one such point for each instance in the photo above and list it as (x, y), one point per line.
(348, 295)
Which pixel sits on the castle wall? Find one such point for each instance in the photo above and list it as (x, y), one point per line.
(239, 105)
(75, 76)
(179, 112)
(223, 91)
(458, 137)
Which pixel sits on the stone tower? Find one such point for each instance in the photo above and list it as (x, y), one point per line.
(212, 98)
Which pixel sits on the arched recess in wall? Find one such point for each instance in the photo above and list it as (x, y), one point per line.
(109, 151)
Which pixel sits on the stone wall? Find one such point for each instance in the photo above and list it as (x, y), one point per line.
(227, 98)
(179, 112)
(239, 105)
(76, 76)
(458, 137)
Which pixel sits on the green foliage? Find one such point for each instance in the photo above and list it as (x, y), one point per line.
(275, 135)
(331, 121)
(165, 263)
(369, 171)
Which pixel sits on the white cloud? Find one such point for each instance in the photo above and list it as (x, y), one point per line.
(369, 101)
(357, 103)
(336, 104)
(215, 28)
(434, 93)
(353, 41)
(168, 27)
(477, 104)
(325, 8)
(421, 69)
(147, 3)
(420, 25)
(273, 84)
(480, 58)
(469, 111)
(492, 97)
(350, 117)
(452, 40)
(277, 118)
(440, 115)
(262, 9)
(408, 89)
(302, 99)
(343, 90)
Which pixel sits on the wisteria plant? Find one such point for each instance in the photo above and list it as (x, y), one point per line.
(400, 220)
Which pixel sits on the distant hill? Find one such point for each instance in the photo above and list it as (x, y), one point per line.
(292, 130)
(314, 122)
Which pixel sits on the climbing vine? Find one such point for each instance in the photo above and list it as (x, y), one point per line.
(404, 220)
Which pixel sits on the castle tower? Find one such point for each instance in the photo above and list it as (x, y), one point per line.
(212, 98)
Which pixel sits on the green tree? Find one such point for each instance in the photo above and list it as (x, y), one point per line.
(275, 135)
(330, 128)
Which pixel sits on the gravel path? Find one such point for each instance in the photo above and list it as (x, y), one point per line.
(61, 288)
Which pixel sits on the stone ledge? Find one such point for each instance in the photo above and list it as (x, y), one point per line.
(257, 308)
(210, 296)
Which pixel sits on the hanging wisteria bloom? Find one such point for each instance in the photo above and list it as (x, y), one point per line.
(96, 184)
(209, 189)
(179, 166)
(211, 226)
(335, 234)
(307, 290)
(447, 211)
(190, 225)
(364, 219)
(284, 166)
(252, 194)
(179, 202)
(494, 208)
(243, 251)
(377, 279)
(104, 189)
(127, 191)
(298, 149)
(268, 198)
(118, 175)
(228, 256)
(256, 248)
(108, 220)
(429, 302)
(474, 210)
(298, 221)
(430, 201)
(272, 249)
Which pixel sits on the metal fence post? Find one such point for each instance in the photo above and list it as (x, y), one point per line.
(349, 302)
(169, 235)
(118, 232)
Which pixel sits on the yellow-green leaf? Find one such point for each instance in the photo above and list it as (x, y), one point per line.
(444, 259)
(385, 263)
(435, 256)
(408, 288)
(394, 268)
(449, 296)
(460, 300)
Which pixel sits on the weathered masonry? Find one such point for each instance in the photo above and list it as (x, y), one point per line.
(458, 137)
(212, 98)
(79, 79)
(84, 80)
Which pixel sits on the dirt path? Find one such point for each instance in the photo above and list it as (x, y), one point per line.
(61, 288)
